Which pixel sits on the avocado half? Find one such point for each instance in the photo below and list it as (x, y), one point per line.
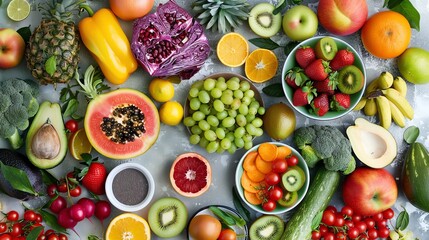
(46, 142)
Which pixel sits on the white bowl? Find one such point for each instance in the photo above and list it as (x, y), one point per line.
(109, 187)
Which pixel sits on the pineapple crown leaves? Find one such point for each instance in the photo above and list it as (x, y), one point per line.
(92, 84)
(61, 10)
(221, 15)
(298, 75)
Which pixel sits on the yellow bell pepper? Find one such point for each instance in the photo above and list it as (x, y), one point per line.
(108, 44)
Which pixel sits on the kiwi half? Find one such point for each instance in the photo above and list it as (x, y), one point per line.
(288, 199)
(267, 227)
(350, 79)
(167, 217)
(263, 22)
(326, 48)
(293, 179)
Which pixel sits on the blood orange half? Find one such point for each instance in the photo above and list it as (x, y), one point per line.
(190, 174)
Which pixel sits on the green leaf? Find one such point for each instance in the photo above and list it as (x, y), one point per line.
(411, 134)
(274, 90)
(93, 237)
(264, 43)
(17, 178)
(289, 47)
(280, 6)
(1, 2)
(51, 220)
(316, 220)
(34, 233)
(51, 65)
(406, 8)
(25, 33)
(48, 178)
(245, 214)
(71, 108)
(402, 220)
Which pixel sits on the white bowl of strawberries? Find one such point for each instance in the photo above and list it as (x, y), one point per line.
(324, 78)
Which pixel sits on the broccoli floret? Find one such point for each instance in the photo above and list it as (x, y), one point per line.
(340, 158)
(17, 103)
(350, 167)
(304, 136)
(309, 156)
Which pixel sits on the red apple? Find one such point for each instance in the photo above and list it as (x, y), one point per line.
(342, 17)
(369, 191)
(12, 48)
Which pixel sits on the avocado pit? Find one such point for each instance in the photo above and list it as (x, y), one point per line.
(46, 142)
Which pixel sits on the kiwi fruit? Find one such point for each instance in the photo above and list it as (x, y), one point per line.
(293, 179)
(263, 22)
(350, 79)
(171, 209)
(326, 48)
(288, 199)
(267, 227)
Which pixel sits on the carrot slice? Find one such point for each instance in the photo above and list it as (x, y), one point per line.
(248, 184)
(268, 151)
(256, 175)
(252, 198)
(263, 166)
(283, 152)
(249, 161)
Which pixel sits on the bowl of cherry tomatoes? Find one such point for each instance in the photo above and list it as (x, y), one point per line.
(272, 178)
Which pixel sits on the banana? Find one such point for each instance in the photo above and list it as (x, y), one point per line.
(370, 108)
(385, 80)
(372, 86)
(401, 102)
(360, 105)
(400, 85)
(384, 112)
(397, 116)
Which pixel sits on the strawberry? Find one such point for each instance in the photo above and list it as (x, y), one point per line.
(304, 56)
(295, 77)
(93, 176)
(303, 95)
(329, 85)
(340, 101)
(343, 58)
(318, 70)
(320, 104)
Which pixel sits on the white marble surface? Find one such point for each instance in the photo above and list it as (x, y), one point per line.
(173, 141)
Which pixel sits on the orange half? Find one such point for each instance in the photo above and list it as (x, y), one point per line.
(232, 49)
(128, 226)
(261, 65)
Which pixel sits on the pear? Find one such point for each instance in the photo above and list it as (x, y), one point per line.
(413, 64)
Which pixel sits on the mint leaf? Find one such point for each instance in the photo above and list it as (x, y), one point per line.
(411, 134)
(402, 220)
(264, 43)
(17, 178)
(34, 233)
(274, 90)
(51, 65)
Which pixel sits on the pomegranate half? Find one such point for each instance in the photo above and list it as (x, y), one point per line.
(190, 174)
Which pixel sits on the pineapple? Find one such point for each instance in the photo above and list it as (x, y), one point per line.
(221, 15)
(52, 52)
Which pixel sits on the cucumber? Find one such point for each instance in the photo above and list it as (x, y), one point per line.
(319, 194)
(415, 176)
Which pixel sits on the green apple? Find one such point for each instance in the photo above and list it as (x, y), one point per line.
(413, 65)
(300, 23)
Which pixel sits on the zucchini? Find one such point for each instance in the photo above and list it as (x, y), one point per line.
(319, 194)
(415, 176)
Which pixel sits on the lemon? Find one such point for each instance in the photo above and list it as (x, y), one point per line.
(128, 226)
(79, 144)
(18, 10)
(171, 113)
(161, 90)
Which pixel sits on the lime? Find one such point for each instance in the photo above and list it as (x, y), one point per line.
(18, 10)
(79, 144)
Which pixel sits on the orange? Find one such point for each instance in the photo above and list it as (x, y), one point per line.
(261, 65)
(232, 49)
(128, 226)
(171, 113)
(79, 144)
(386, 34)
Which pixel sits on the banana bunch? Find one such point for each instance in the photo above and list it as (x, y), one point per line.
(386, 96)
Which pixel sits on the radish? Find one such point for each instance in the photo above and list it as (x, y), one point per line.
(58, 204)
(77, 213)
(102, 210)
(88, 206)
(65, 221)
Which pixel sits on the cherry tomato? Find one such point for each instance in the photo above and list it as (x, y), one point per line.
(348, 211)
(3, 227)
(363, 236)
(353, 232)
(361, 226)
(42, 237)
(131, 9)
(49, 232)
(72, 125)
(370, 223)
(62, 187)
(53, 237)
(16, 230)
(12, 216)
(39, 218)
(340, 236)
(323, 229)
(269, 205)
(356, 218)
(331, 208)
(227, 234)
(5, 236)
(272, 178)
(339, 220)
(328, 217)
(315, 235)
(279, 166)
(275, 193)
(383, 232)
(388, 213)
(381, 223)
(76, 191)
(372, 233)
(378, 217)
(292, 160)
(349, 223)
(29, 215)
(329, 236)
(52, 190)
(63, 236)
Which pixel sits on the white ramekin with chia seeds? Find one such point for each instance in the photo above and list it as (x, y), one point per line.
(130, 187)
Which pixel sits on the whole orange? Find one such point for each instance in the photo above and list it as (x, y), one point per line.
(386, 34)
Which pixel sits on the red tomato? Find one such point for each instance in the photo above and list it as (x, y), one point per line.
(315, 235)
(372, 233)
(349, 223)
(323, 229)
(53, 237)
(279, 166)
(383, 232)
(329, 236)
(3, 227)
(340, 235)
(49, 232)
(16, 230)
(131, 9)
(292, 160)
(356, 218)
(72, 125)
(331, 208)
(269, 205)
(378, 217)
(346, 210)
(370, 223)
(272, 178)
(52, 190)
(275, 193)
(227, 234)
(388, 213)
(12, 216)
(5, 236)
(328, 217)
(63, 236)
(339, 220)
(62, 187)
(361, 226)
(353, 232)
(39, 218)
(29, 215)
(76, 191)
